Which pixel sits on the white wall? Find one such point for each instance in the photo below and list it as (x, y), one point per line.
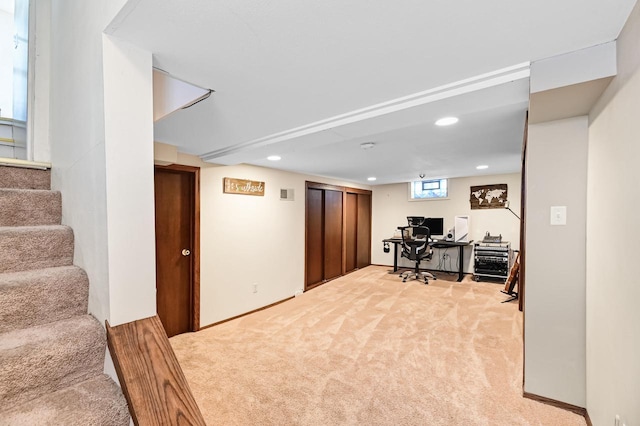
(554, 312)
(77, 135)
(128, 106)
(250, 239)
(102, 156)
(575, 67)
(613, 292)
(391, 208)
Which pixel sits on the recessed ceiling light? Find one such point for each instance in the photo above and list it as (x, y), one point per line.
(371, 179)
(367, 145)
(274, 158)
(447, 121)
(482, 167)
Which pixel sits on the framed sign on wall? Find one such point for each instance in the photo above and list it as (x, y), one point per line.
(243, 186)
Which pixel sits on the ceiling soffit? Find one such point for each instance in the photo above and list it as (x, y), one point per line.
(415, 101)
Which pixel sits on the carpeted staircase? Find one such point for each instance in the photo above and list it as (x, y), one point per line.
(51, 351)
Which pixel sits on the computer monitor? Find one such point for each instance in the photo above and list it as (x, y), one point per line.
(435, 225)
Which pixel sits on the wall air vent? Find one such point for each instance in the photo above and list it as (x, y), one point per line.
(286, 194)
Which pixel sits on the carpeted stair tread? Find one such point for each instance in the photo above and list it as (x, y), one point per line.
(24, 178)
(97, 401)
(51, 351)
(28, 207)
(46, 358)
(35, 247)
(35, 297)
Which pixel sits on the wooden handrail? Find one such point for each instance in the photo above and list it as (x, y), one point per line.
(151, 378)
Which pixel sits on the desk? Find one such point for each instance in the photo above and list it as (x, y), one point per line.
(435, 244)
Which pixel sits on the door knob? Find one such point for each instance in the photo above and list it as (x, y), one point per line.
(186, 252)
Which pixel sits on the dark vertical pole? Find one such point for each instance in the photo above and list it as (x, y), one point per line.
(460, 262)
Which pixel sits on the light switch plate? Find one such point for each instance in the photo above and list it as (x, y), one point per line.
(558, 215)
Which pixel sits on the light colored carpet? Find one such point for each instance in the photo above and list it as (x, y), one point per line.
(39, 296)
(42, 359)
(94, 402)
(17, 177)
(367, 349)
(51, 351)
(24, 248)
(28, 207)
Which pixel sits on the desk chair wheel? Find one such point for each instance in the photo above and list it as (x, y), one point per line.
(420, 276)
(428, 276)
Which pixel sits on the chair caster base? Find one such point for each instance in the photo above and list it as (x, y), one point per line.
(420, 276)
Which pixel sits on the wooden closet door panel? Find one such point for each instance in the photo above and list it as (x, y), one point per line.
(351, 231)
(332, 234)
(314, 257)
(364, 231)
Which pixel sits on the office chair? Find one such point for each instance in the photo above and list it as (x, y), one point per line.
(416, 247)
(415, 220)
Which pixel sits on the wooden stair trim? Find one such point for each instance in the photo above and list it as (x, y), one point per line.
(151, 378)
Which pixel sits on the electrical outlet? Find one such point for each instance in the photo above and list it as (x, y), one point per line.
(255, 287)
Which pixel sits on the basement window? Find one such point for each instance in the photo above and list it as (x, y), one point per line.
(428, 189)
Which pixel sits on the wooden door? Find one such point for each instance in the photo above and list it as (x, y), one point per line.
(314, 246)
(175, 202)
(332, 234)
(351, 231)
(364, 231)
(338, 232)
(523, 216)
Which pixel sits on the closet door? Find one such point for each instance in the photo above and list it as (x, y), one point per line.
(351, 231)
(363, 232)
(338, 232)
(314, 231)
(332, 234)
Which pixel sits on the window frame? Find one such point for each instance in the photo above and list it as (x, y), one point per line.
(422, 182)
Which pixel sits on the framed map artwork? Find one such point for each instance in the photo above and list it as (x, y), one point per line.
(488, 196)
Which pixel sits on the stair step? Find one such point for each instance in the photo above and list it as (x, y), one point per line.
(38, 360)
(97, 401)
(28, 207)
(35, 247)
(30, 298)
(24, 178)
